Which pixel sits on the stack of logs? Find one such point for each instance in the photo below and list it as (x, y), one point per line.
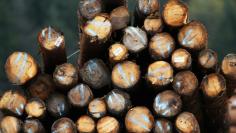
(150, 71)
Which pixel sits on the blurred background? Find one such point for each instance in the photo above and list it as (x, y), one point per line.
(21, 20)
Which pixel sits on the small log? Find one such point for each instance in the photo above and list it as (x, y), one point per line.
(160, 74)
(85, 124)
(135, 39)
(108, 124)
(33, 126)
(228, 68)
(213, 87)
(65, 76)
(187, 123)
(57, 105)
(117, 53)
(181, 59)
(193, 36)
(139, 119)
(208, 60)
(230, 116)
(95, 73)
(163, 126)
(42, 87)
(10, 124)
(52, 47)
(175, 13)
(125, 75)
(35, 108)
(20, 68)
(167, 104)
(63, 125)
(153, 24)
(161, 46)
(120, 18)
(118, 102)
(13, 101)
(80, 95)
(97, 108)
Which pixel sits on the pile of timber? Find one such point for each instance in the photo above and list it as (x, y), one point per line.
(144, 71)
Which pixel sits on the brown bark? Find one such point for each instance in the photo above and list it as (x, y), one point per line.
(33, 126)
(120, 18)
(52, 47)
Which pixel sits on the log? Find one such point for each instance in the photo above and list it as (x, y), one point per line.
(10, 124)
(117, 53)
(97, 108)
(80, 95)
(20, 68)
(187, 123)
(193, 36)
(181, 59)
(208, 61)
(213, 87)
(135, 39)
(159, 74)
(65, 76)
(167, 104)
(118, 102)
(33, 126)
(108, 124)
(163, 126)
(57, 105)
(230, 116)
(228, 68)
(120, 18)
(85, 124)
(95, 73)
(161, 46)
(52, 48)
(175, 13)
(153, 24)
(41, 87)
(139, 119)
(13, 101)
(63, 125)
(125, 75)
(36, 108)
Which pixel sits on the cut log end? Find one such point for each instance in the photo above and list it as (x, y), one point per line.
(193, 36)
(228, 66)
(181, 59)
(139, 119)
(118, 53)
(10, 124)
(65, 76)
(175, 13)
(63, 125)
(88, 9)
(13, 101)
(80, 95)
(160, 73)
(35, 108)
(148, 7)
(187, 123)
(185, 83)
(118, 102)
(97, 108)
(125, 75)
(153, 25)
(33, 126)
(86, 124)
(167, 104)
(20, 67)
(120, 18)
(207, 59)
(161, 46)
(163, 126)
(231, 111)
(108, 124)
(99, 28)
(135, 39)
(213, 85)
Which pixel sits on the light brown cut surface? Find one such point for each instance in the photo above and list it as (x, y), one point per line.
(86, 124)
(228, 66)
(181, 59)
(207, 59)
(108, 124)
(10, 124)
(147, 7)
(97, 108)
(63, 125)
(153, 25)
(90, 8)
(117, 53)
(35, 108)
